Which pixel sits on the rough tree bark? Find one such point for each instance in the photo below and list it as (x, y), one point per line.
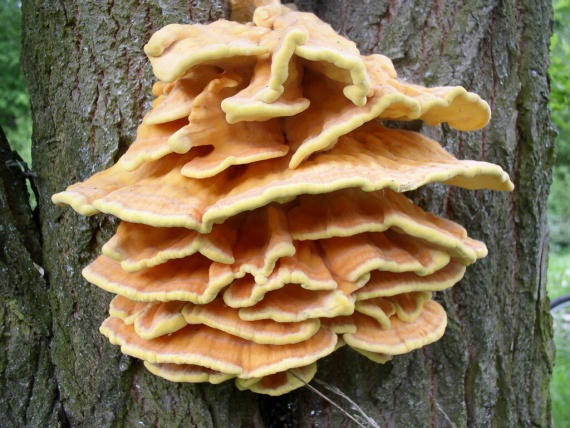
(90, 85)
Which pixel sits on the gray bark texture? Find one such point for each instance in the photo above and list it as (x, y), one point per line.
(90, 85)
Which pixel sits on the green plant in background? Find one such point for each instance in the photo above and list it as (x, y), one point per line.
(560, 78)
(559, 207)
(15, 117)
(559, 285)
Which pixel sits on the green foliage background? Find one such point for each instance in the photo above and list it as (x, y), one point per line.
(559, 201)
(15, 117)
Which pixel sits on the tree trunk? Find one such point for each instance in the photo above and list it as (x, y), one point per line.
(90, 85)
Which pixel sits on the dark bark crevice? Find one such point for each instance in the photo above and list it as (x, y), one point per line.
(29, 393)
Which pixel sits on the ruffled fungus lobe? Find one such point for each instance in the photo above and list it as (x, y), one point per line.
(263, 221)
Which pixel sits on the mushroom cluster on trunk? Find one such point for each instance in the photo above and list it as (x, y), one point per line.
(263, 221)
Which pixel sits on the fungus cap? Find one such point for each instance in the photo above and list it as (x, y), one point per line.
(401, 337)
(219, 351)
(371, 158)
(222, 317)
(187, 373)
(279, 383)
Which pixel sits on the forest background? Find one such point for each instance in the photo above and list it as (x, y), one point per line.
(15, 120)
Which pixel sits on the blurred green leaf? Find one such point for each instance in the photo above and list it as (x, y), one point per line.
(560, 88)
(15, 116)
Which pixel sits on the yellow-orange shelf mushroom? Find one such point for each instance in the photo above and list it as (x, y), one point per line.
(264, 224)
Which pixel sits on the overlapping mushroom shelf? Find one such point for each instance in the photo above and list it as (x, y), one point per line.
(272, 289)
(263, 224)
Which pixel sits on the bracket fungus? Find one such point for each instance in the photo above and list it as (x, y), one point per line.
(263, 220)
